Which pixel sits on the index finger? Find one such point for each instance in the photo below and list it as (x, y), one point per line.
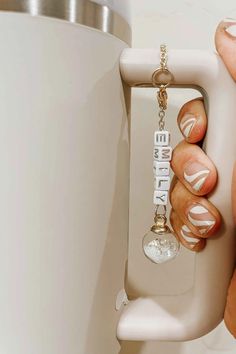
(192, 120)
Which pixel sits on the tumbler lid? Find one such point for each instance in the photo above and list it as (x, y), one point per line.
(121, 7)
(109, 16)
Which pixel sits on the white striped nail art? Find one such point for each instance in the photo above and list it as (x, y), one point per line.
(229, 20)
(230, 26)
(197, 179)
(185, 231)
(187, 125)
(198, 209)
(231, 30)
(201, 218)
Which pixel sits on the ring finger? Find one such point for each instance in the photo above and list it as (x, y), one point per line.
(197, 213)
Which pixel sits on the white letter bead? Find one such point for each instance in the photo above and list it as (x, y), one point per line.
(161, 138)
(160, 197)
(162, 183)
(161, 168)
(162, 153)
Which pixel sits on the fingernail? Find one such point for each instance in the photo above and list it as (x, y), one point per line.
(192, 242)
(230, 26)
(187, 123)
(196, 174)
(201, 218)
(186, 234)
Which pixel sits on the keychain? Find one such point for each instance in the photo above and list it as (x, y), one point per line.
(159, 243)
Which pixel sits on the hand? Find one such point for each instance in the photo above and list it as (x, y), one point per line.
(193, 217)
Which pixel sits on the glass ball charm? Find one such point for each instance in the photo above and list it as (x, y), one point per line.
(159, 244)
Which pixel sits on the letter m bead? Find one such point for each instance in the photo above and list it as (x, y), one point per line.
(162, 153)
(161, 138)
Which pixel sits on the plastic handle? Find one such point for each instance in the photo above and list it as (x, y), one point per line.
(193, 314)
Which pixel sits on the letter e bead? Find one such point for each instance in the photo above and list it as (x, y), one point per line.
(161, 138)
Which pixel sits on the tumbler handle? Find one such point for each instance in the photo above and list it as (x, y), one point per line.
(195, 313)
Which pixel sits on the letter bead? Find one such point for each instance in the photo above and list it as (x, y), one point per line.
(162, 183)
(161, 168)
(161, 138)
(160, 197)
(162, 153)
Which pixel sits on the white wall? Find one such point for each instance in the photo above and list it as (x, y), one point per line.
(179, 24)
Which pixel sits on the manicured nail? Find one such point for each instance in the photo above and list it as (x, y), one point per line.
(230, 26)
(196, 174)
(186, 234)
(187, 123)
(201, 218)
(193, 243)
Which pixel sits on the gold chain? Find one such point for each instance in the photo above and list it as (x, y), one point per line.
(163, 56)
(162, 78)
(162, 93)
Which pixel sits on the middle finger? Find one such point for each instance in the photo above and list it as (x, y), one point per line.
(193, 168)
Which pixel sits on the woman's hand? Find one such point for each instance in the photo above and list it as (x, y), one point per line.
(193, 217)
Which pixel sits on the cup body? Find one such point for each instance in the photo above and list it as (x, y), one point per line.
(64, 152)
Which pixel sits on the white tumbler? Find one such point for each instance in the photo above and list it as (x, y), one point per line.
(64, 167)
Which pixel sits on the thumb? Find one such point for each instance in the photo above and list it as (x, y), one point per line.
(225, 42)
